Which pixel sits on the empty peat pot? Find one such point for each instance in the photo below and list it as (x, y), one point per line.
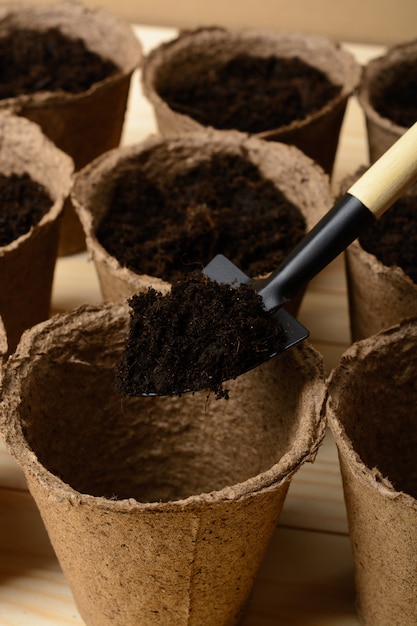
(388, 96)
(251, 180)
(372, 412)
(27, 263)
(233, 63)
(82, 124)
(159, 509)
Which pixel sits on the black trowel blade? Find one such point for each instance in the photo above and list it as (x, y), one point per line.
(222, 270)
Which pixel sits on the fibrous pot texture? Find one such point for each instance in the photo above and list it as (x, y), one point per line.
(165, 161)
(85, 124)
(27, 263)
(202, 52)
(381, 269)
(388, 96)
(158, 508)
(372, 413)
(88, 123)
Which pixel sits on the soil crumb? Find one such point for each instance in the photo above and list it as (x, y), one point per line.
(197, 336)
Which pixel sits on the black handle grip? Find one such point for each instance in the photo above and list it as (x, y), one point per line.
(331, 235)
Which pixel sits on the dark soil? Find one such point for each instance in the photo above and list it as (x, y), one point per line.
(393, 238)
(248, 93)
(197, 336)
(397, 99)
(171, 225)
(23, 204)
(33, 61)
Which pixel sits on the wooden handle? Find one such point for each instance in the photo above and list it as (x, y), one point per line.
(387, 179)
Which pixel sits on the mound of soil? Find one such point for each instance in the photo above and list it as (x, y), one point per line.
(195, 337)
(23, 204)
(33, 61)
(248, 93)
(170, 225)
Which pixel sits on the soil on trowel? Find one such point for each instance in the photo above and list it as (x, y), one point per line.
(170, 225)
(33, 61)
(397, 99)
(393, 238)
(247, 93)
(195, 337)
(23, 204)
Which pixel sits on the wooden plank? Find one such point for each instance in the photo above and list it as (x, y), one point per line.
(33, 590)
(305, 580)
(11, 475)
(315, 499)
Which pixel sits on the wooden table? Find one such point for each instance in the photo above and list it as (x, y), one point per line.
(306, 579)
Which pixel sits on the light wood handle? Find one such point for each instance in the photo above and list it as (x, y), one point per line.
(387, 179)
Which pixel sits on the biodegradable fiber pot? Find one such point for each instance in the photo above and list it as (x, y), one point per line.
(379, 296)
(159, 509)
(86, 124)
(299, 179)
(380, 83)
(200, 52)
(27, 264)
(371, 411)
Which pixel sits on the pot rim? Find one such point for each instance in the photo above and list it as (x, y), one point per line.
(348, 65)
(311, 431)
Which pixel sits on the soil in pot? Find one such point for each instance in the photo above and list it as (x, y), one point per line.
(393, 238)
(170, 225)
(251, 94)
(397, 99)
(23, 204)
(33, 61)
(194, 337)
